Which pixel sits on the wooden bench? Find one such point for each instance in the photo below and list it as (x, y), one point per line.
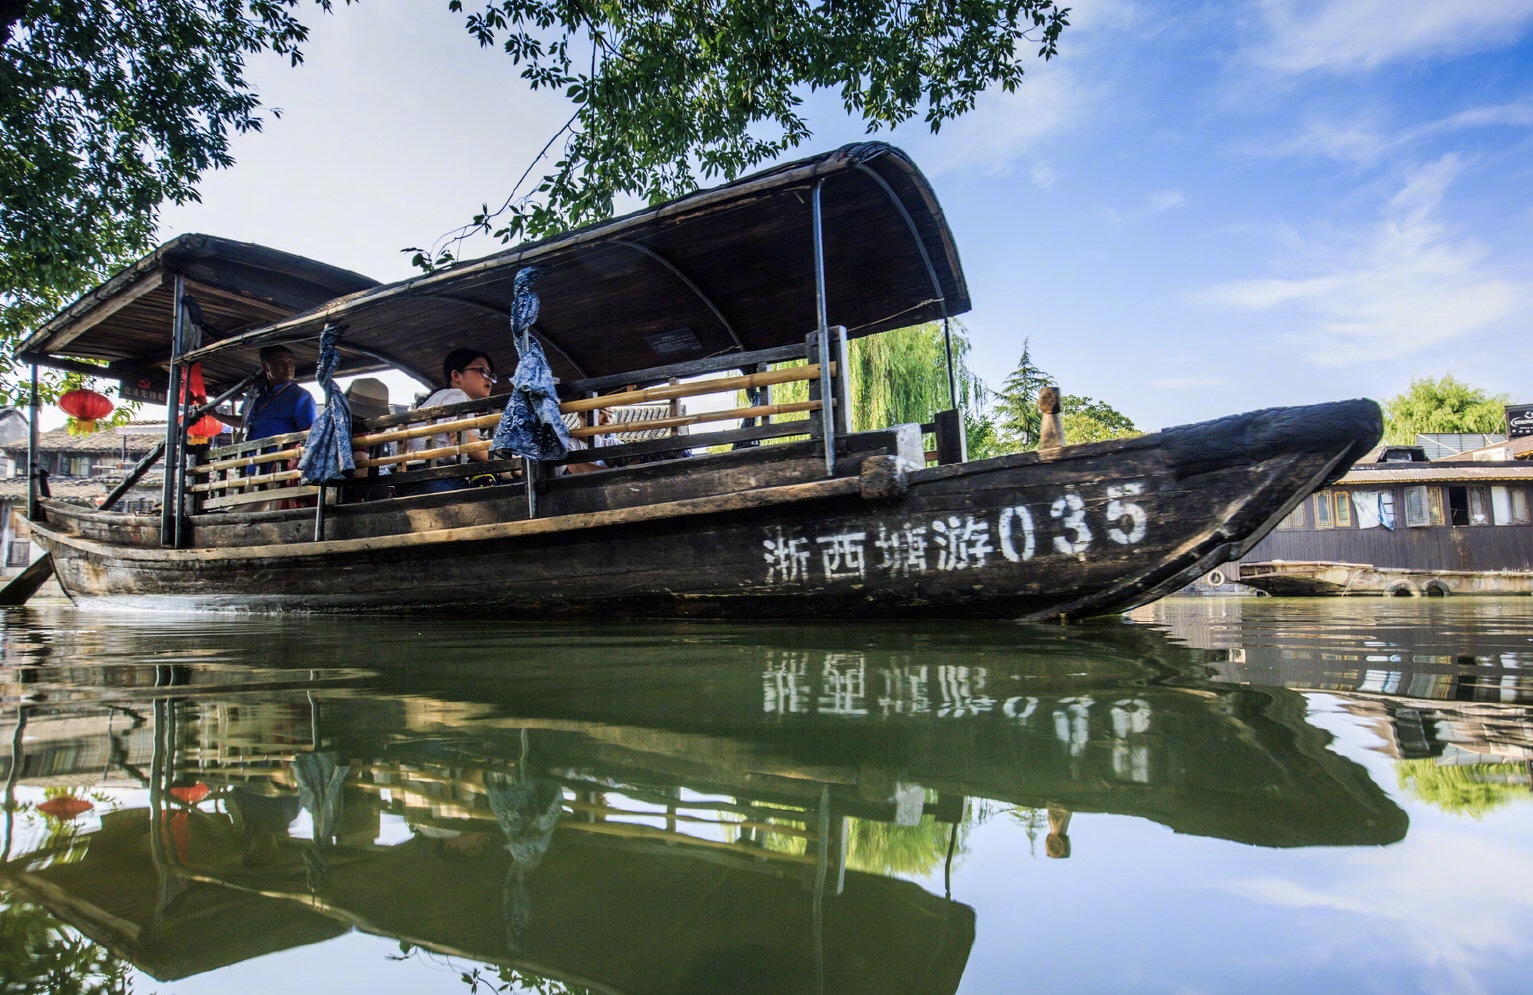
(264, 470)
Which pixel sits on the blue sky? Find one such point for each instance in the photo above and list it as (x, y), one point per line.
(1196, 209)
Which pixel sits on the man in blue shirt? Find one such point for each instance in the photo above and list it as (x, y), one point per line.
(280, 405)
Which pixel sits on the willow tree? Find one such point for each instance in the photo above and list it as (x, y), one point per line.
(1442, 405)
(901, 377)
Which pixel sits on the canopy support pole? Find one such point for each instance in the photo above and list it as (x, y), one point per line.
(170, 493)
(931, 274)
(34, 481)
(319, 513)
(822, 335)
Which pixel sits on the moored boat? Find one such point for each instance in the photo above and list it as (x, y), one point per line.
(1399, 524)
(741, 288)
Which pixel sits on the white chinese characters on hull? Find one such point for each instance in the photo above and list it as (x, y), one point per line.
(953, 542)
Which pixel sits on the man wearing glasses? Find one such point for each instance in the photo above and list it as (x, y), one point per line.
(467, 376)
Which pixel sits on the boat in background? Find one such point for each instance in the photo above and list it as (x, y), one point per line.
(1399, 524)
(737, 289)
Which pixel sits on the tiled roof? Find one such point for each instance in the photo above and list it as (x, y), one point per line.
(14, 489)
(105, 442)
(1439, 472)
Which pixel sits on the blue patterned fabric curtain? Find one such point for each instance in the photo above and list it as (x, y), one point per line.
(327, 455)
(530, 425)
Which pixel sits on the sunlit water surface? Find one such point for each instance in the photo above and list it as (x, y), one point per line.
(1215, 795)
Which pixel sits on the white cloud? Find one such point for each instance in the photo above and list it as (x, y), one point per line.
(1345, 36)
(1448, 918)
(1003, 127)
(1165, 200)
(1042, 174)
(1404, 285)
(1367, 143)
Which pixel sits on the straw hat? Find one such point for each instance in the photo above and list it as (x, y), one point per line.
(369, 397)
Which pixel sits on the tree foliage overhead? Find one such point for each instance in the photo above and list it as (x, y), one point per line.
(1445, 405)
(111, 109)
(668, 95)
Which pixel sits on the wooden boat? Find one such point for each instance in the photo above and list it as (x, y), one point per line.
(750, 285)
(1398, 524)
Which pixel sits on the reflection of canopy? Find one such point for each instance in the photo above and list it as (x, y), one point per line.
(110, 896)
(620, 915)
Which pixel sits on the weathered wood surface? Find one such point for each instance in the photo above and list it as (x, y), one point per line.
(1092, 529)
(25, 584)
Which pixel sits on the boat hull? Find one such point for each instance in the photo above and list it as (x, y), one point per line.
(1083, 530)
(1327, 579)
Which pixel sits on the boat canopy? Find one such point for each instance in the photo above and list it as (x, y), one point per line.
(127, 321)
(730, 269)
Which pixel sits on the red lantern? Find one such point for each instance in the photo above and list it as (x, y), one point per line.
(203, 429)
(85, 407)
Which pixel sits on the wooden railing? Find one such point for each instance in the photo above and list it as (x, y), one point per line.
(264, 470)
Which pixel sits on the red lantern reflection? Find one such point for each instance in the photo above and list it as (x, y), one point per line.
(65, 808)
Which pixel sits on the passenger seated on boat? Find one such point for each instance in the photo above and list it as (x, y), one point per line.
(466, 375)
(278, 405)
(603, 417)
(369, 398)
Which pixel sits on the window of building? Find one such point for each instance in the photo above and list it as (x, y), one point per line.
(1479, 506)
(1323, 518)
(1343, 509)
(1468, 505)
(19, 554)
(1519, 500)
(1294, 519)
(1418, 510)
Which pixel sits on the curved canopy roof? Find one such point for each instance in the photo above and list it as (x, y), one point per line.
(723, 270)
(127, 322)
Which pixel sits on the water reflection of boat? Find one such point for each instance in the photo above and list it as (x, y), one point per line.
(1429, 689)
(639, 825)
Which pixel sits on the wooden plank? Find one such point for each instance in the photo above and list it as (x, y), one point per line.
(256, 497)
(718, 385)
(25, 584)
(684, 508)
(704, 417)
